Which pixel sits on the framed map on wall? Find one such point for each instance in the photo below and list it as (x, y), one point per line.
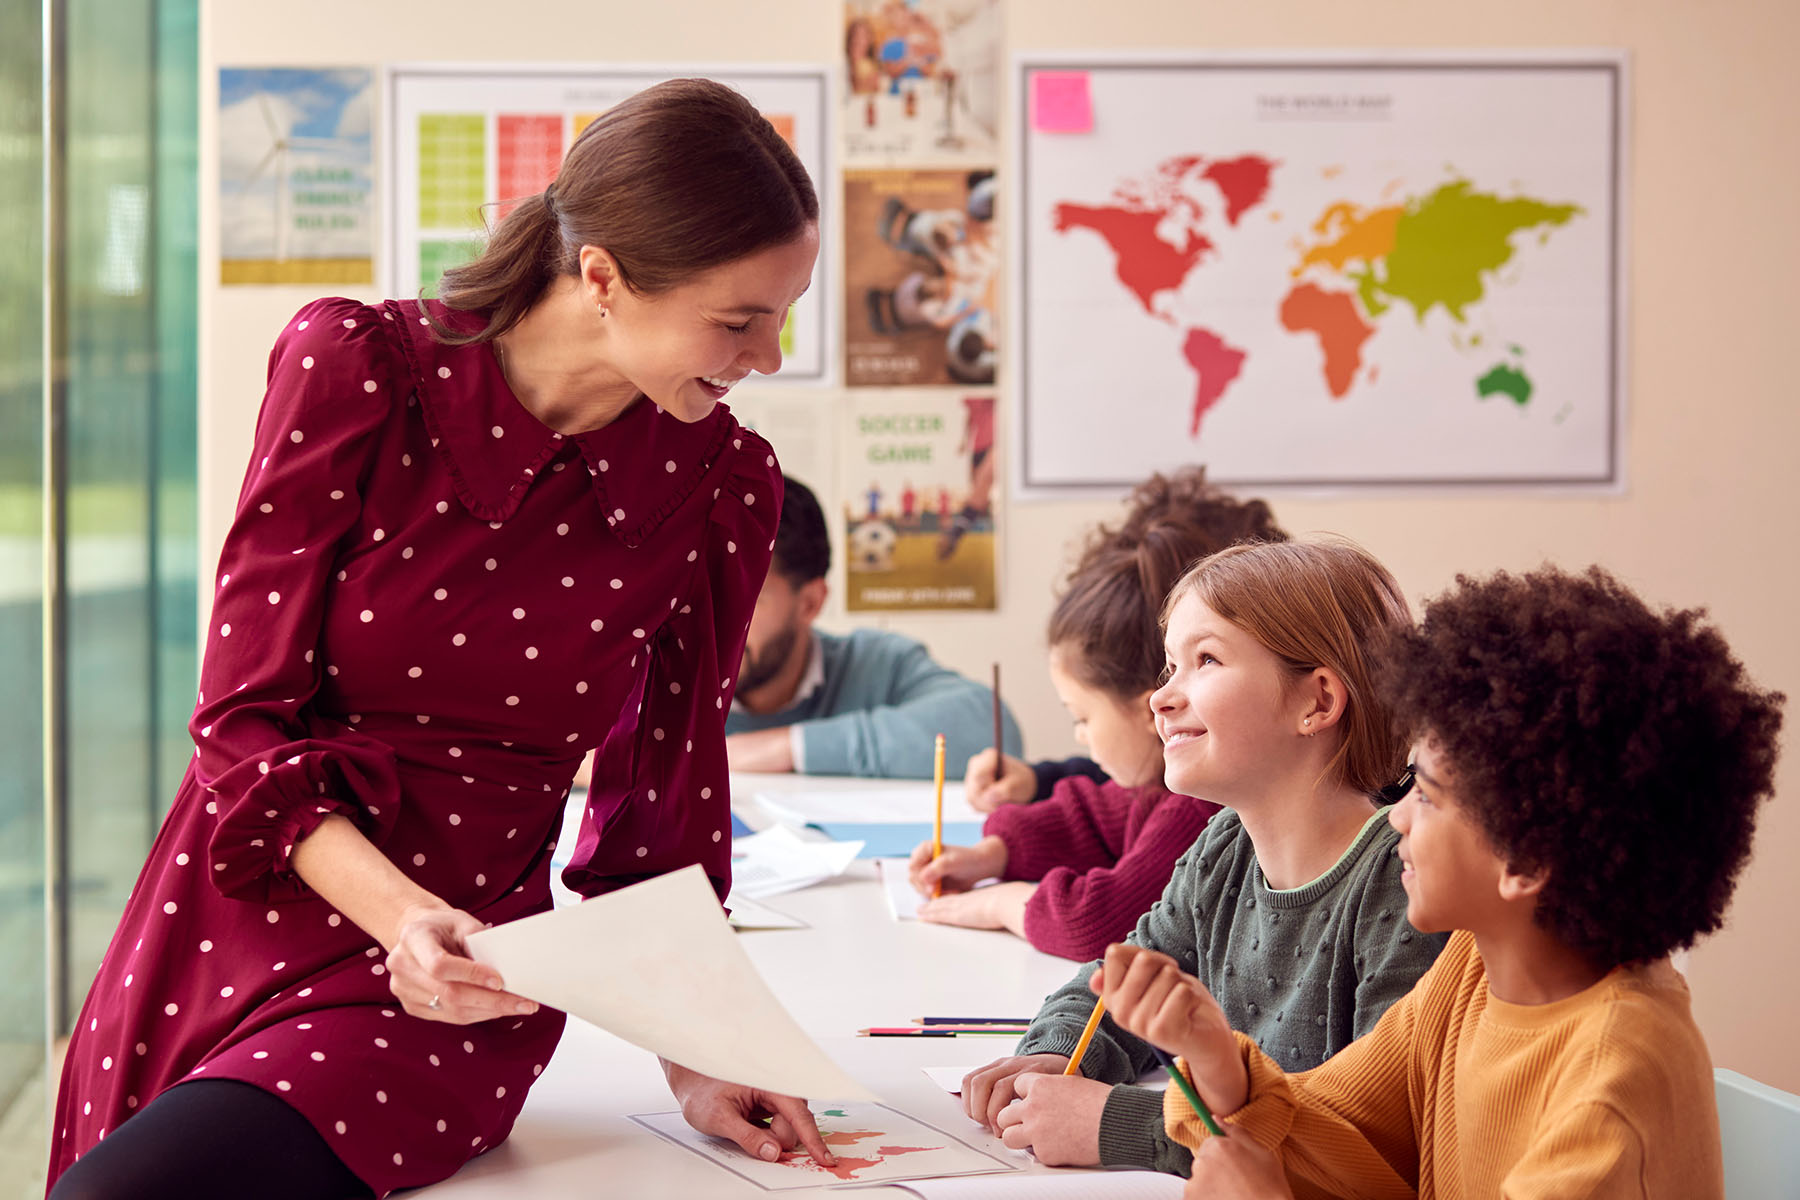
(464, 140)
(1319, 272)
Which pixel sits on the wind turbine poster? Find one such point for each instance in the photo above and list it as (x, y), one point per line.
(296, 175)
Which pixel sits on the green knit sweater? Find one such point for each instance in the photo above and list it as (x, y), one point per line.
(1304, 972)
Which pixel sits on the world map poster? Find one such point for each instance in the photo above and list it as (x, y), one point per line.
(1321, 273)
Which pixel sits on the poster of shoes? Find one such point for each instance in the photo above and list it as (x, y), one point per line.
(918, 496)
(922, 81)
(920, 277)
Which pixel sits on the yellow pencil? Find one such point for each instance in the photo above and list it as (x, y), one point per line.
(937, 821)
(1087, 1035)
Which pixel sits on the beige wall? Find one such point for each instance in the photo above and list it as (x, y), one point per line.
(1712, 425)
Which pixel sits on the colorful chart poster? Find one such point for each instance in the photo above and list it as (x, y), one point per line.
(920, 527)
(922, 82)
(872, 1143)
(1323, 272)
(467, 143)
(295, 175)
(921, 267)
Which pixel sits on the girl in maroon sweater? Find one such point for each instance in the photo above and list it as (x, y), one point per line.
(1080, 867)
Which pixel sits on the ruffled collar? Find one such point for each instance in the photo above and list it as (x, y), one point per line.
(643, 466)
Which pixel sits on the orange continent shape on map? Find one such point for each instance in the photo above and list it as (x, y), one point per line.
(846, 1168)
(1244, 180)
(1354, 234)
(1340, 329)
(1216, 363)
(1144, 262)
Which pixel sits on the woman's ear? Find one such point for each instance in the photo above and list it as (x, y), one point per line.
(1323, 700)
(601, 282)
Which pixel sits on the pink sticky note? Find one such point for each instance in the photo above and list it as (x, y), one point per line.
(1061, 102)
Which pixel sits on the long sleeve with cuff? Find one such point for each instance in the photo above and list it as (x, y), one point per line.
(882, 702)
(1607, 1094)
(1100, 853)
(1304, 971)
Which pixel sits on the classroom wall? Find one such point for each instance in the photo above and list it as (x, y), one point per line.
(1711, 424)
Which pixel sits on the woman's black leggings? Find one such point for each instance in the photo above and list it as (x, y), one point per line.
(211, 1139)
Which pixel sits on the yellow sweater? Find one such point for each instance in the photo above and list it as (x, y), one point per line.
(1455, 1094)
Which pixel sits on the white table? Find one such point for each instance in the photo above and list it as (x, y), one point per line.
(854, 967)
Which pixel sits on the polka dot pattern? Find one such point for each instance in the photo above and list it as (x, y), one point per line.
(462, 600)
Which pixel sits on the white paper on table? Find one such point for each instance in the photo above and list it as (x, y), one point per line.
(1063, 1185)
(752, 914)
(904, 899)
(657, 965)
(874, 1144)
(948, 1078)
(902, 804)
(779, 860)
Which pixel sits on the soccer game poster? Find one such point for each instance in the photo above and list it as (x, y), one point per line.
(919, 501)
(1320, 271)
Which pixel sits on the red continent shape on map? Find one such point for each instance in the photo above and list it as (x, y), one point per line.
(1340, 328)
(1216, 363)
(1244, 180)
(1144, 262)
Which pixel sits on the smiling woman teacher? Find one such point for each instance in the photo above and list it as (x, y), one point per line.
(476, 538)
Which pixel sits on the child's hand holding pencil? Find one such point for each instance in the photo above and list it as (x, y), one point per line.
(1150, 996)
(932, 870)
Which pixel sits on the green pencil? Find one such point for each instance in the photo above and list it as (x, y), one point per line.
(1187, 1089)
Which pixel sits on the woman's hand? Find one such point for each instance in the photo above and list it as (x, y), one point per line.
(1148, 995)
(987, 1090)
(998, 906)
(958, 868)
(1057, 1118)
(731, 1110)
(1236, 1168)
(1017, 783)
(429, 963)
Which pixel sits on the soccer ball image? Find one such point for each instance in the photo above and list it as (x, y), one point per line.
(872, 546)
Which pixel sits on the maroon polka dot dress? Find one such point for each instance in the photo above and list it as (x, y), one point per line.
(429, 606)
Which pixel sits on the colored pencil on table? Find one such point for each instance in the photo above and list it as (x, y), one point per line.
(1087, 1035)
(999, 753)
(1187, 1089)
(974, 1020)
(937, 821)
(941, 1031)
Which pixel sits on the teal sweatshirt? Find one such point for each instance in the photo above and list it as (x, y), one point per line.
(881, 704)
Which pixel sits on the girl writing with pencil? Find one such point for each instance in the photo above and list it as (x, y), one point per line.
(1079, 869)
(1290, 907)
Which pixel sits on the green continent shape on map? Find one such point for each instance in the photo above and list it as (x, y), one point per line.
(1143, 262)
(1444, 242)
(1340, 329)
(1506, 380)
(1216, 363)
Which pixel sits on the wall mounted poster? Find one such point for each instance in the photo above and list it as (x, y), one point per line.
(920, 277)
(465, 140)
(1332, 272)
(295, 175)
(922, 82)
(918, 497)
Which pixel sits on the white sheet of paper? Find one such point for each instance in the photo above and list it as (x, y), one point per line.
(903, 900)
(948, 1078)
(1063, 1185)
(873, 1144)
(779, 860)
(902, 804)
(657, 965)
(753, 914)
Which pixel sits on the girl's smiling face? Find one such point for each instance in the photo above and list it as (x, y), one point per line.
(1227, 712)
